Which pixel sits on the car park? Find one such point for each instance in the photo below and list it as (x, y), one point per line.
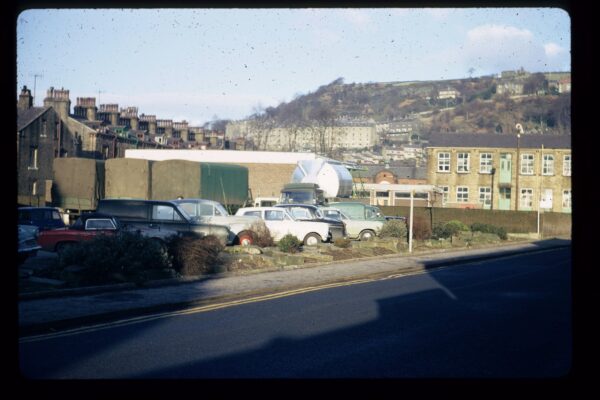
(307, 212)
(213, 212)
(42, 217)
(280, 223)
(161, 215)
(361, 229)
(28, 245)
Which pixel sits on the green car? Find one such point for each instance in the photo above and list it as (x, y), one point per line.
(357, 228)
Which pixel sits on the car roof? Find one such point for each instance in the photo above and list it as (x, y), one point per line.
(194, 200)
(295, 205)
(86, 216)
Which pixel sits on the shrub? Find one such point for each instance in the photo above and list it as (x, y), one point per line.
(394, 228)
(342, 243)
(194, 256)
(445, 230)
(262, 235)
(289, 244)
(126, 256)
(456, 226)
(487, 228)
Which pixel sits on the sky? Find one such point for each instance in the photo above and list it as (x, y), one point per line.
(199, 65)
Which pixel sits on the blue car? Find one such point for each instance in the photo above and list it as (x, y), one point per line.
(44, 218)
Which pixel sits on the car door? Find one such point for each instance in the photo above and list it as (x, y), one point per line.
(278, 223)
(165, 216)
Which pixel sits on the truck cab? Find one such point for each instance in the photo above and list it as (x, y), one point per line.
(302, 193)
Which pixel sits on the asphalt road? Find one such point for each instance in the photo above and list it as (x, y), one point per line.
(503, 318)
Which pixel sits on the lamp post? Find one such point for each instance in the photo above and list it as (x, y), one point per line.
(493, 172)
(517, 183)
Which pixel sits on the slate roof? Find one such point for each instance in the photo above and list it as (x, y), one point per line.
(399, 172)
(26, 117)
(529, 141)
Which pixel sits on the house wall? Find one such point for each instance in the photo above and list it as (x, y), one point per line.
(474, 179)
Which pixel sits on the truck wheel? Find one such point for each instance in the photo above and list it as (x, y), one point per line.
(245, 238)
(312, 239)
(366, 235)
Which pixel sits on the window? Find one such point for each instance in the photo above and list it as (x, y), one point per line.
(445, 194)
(33, 157)
(526, 199)
(485, 163)
(272, 215)
(97, 224)
(252, 214)
(485, 196)
(44, 128)
(165, 213)
(34, 189)
(546, 201)
(462, 162)
(567, 165)
(527, 161)
(382, 194)
(462, 194)
(548, 165)
(566, 199)
(443, 162)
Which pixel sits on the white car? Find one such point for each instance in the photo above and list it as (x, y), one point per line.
(280, 222)
(361, 229)
(212, 212)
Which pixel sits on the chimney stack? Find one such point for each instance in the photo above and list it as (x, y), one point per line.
(25, 99)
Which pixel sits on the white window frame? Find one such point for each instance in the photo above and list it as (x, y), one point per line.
(485, 163)
(567, 199)
(462, 162)
(485, 195)
(548, 164)
(33, 162)
(445, 194)
(443, 162)
(462, 194)
(527, 163)
(526, 199)
(567, 165)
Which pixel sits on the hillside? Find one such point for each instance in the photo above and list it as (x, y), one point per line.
(477, 109)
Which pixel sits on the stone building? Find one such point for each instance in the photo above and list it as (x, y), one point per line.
(502, 171)
(51, 131)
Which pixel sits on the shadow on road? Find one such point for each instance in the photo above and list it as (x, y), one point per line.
(429, 325)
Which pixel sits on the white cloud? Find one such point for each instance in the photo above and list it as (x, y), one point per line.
(494, 48)
(553, 50)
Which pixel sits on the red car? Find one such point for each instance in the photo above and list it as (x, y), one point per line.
(87, 227)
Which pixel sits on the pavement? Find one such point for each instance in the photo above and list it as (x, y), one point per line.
(71, 308)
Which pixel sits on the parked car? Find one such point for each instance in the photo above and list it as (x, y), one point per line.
(212, 212)
(394, 217)
(359, 211)
(91, 225)
(161, 215)
(42, 217)
(280, 222)
(307, 212)
(361, 229)
(87, 227)
(28, 245)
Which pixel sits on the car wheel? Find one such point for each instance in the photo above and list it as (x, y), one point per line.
(312, 239)
(245, 239)
(366, 235)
